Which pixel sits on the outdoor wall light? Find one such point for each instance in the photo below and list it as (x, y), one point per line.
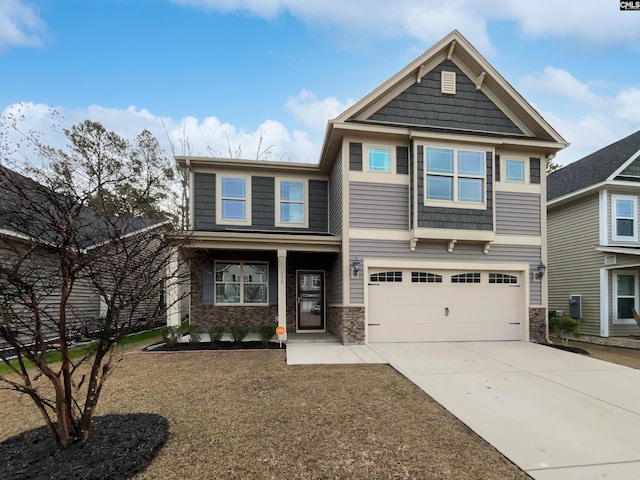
(356, 268)
(540, 273)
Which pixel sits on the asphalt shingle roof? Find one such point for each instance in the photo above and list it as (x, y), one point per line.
(593, 168)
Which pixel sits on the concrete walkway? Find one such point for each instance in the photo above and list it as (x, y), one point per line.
(557, 415)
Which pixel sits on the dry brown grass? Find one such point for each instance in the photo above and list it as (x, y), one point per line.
(248, 415)
(628, 357)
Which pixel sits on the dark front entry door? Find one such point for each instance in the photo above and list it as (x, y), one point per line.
(310, 300)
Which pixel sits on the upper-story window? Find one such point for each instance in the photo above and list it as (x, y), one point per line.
(233, 199)
(515, 171)
(292, 205)
(625, 214)
(454, 175)
(379, 159)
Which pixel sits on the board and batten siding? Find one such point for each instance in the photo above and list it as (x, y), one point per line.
(437, 252)
(573, 264)
(335, 295)
(204, 201)
(518, 213)
(377, 205)
(335, 198)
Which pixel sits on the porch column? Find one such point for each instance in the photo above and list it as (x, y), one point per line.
(172, 293)
(282, 291)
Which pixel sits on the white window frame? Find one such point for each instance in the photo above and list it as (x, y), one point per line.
(616, 274)
(525, 165)
(392, 158)
(219, 200)
(614, 218)
(305, 184)
(455, 176)
(241, 283)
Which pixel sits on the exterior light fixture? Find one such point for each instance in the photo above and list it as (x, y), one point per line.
(540, 273)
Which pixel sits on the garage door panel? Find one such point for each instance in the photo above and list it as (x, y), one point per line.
(408, 311)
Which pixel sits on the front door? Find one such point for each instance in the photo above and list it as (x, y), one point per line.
(310, 300)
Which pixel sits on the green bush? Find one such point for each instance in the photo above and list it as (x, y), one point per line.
(215, 333)
(195, 333)
(171, 335)
(267, 332)
(238, 333)
(564, 327)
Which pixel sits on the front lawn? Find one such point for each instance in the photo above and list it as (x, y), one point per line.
(248, 415)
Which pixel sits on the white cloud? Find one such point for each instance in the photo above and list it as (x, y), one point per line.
(561, 82)
(429, 20)
(314, 113)
(208, 136)
(20, 25)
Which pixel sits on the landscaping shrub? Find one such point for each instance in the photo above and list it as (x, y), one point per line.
(238, 333)
(195, 333)
(171, 335)
(215, 333)
(267, 332)
(564, 327)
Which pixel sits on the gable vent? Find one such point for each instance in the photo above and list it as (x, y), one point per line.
(448, 80)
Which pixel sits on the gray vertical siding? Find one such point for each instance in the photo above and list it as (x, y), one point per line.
(376, 205)
(263, 202)
(497, 168)
(402, 160)
(318, 206)
(204, 201)
(456, 218)
(518, 213)
(412, 200)
(335, 198)
(437, 251)
(335, 282)
(355, 156)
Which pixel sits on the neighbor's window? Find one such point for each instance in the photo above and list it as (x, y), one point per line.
(379, 159)
(455, 175)
(625, 213)
(625, 295)
(515, 170)
(233, 199)
(241, 283)
(292, 203)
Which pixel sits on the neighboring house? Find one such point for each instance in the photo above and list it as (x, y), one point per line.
(594, 249)
(23, 229)
(424, 219)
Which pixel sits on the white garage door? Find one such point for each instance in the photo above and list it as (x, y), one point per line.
(423, 305)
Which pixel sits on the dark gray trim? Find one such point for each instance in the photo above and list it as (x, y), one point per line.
(355, 156)
(534, 170)
(402, 160)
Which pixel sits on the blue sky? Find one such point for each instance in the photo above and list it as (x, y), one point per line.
(224, 72)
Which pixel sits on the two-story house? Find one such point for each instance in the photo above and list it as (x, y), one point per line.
(423, 220)
(594, 248)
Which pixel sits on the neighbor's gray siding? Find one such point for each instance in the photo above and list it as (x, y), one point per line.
(204, 201)
(335, 197)
(355, 156)
(572, 260)
(437, 251)
(424, 104)
(518, 213)
(455, 218)
(377, 205)
(632, 170)
(620, 330)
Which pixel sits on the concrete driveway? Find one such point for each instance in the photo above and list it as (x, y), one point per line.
(557, 415)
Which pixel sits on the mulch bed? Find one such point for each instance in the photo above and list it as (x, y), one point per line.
(120, 446)
(191, 347)
(567, 348)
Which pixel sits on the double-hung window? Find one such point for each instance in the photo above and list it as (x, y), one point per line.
(241, 283)
(454, 175)
(625, 214)
(233, 199)
(292, 205)
(626, 290)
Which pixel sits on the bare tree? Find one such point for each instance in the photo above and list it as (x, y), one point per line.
(70, 234)
(185, 148)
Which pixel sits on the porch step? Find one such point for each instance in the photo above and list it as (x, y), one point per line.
(322, 337)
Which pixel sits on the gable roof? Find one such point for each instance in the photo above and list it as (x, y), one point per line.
(594, 169)
(500, 109)
(31, 211)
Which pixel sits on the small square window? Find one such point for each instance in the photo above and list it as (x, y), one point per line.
(379, 160)
(515, 170)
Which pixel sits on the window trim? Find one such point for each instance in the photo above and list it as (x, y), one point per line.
(525, 167)
(242, 263)
(636, 295)
(392, 158)
(219, 200)
(614, 217)
(455, 203)
(305, 200)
